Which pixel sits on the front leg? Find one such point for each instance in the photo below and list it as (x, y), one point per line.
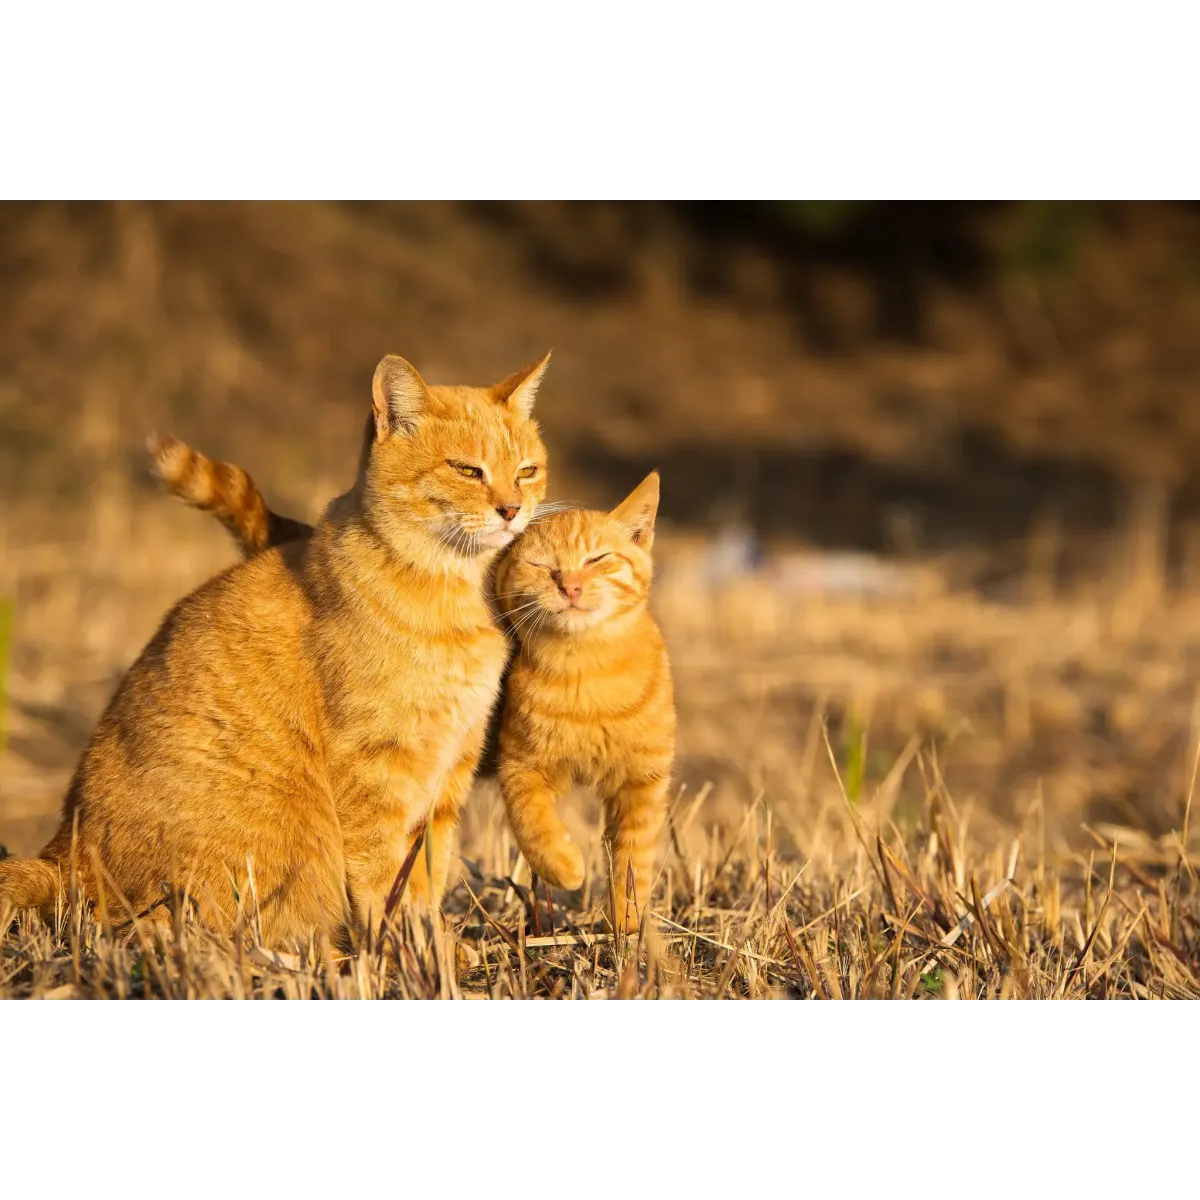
(633, 819)
(443, 825)
(530, 799)
(379, 837)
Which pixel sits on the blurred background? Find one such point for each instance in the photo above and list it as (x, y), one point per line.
(929, 470)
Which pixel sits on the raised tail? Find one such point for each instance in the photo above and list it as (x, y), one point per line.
(224, 490)
(29, 883)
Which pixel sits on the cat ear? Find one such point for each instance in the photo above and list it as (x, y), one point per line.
(638, 510)
(400, 396)
(519, 389)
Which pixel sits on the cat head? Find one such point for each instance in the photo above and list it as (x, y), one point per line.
(574, 570)
(452, 473)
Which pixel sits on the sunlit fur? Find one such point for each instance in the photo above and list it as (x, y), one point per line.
(589, 697)
(297, 721)
(226, 491)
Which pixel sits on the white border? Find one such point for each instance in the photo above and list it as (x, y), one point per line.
(591, 1099)
(835, 101)
(816, 100)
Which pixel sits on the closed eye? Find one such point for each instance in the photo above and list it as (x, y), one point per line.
(466, 469)
(587, 562)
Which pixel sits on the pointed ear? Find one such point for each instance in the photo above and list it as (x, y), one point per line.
(399, 394)
(519, 389)
(638, 510)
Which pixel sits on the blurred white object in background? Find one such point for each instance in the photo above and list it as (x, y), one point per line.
(844, 573)
(735, 554)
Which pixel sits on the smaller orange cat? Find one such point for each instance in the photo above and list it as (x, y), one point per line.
(589, 697)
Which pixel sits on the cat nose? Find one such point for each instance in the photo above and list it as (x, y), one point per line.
(572, 590)
(508, 511)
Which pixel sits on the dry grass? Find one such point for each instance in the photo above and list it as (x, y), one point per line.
(965, 793)
(928, 914)
(898, 796)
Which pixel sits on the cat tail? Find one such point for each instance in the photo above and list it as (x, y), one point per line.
(29, 883)
(224, 490)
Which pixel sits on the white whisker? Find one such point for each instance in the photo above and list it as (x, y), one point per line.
(525, 623)
(512, 612)
(531, 633)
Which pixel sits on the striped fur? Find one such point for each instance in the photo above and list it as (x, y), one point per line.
(224, 490)
(238, 508)
(588, 697)
(300, 720)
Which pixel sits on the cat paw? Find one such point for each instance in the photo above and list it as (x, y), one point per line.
(561, 865)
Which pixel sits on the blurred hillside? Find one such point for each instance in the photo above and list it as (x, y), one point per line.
(889, 376)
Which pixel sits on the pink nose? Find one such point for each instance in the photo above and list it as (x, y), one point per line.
(572, 591)
(508, 511)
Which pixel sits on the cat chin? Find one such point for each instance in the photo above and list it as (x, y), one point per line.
(576, 620)
(498, 539)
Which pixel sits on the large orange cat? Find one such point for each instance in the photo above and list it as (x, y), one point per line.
(588, 698)
(298, 721)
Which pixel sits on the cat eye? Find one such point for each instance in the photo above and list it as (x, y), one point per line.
(527, 472)
(587, 562)
(466, 469)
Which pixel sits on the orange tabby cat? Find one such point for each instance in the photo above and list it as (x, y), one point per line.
(588, 697)
(300, 720)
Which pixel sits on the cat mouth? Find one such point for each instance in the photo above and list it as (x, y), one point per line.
(498, 538)
(577, 610)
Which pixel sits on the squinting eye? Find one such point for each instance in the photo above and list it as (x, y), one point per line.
(466, 469)
(527, 472)
(587, 562)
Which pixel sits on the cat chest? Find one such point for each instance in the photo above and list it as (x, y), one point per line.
(413, 687)
(587, 725)
(404, 724)
(459, 673)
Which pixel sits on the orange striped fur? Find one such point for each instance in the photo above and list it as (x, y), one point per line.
(300, 720)
(588, 697)
(224, 490)
(239, 508)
